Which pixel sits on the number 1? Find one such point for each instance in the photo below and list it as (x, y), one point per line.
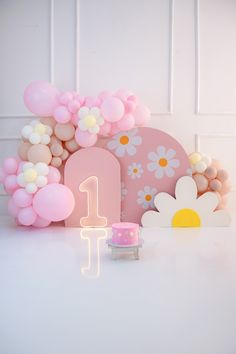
(93, 219)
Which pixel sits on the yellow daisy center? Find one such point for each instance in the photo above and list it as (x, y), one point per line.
(90, 121)
(40, 129)
(186, 218)
(148, 197)
(124, 140)
(163, 162)
(135, 170)
(30, 175)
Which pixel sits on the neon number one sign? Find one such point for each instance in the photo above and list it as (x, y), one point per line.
(93, 219)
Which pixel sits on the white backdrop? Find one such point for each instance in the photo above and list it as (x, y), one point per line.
(178, 55)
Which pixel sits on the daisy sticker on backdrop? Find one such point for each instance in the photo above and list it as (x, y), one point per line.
(186, 209)
(163, 162)
(125, 143)
(135, 170)
(146, 197)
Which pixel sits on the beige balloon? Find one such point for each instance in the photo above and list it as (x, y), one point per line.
(23, 150)
(48, 121)
(71, 145)
(56, 149)
(56, 162)
(64, 132)
(39, 153)
(64, 155)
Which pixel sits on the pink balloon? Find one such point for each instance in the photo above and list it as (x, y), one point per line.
(105, 129)
(2, 175)
(130, 106)
(11, 184)
(65, 97)
(92, 102)
(73, 106)
(12, 208)
(54, 202)
(22, 199)
(40, 222)
(41, 98)
(114, 129)
(85, 139)
(74, 118)
(62, 115)
(27, 216)
(10, 165)
(123, 94)
(112, 109)
(54, 175)
(142, 115)
(126, 123)
(20, 167)
(105, 94)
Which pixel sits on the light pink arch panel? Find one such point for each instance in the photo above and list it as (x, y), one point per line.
(84, 165)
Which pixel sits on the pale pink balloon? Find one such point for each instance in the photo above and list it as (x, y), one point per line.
(85, 139)
(92, 102)
(2, 175)
(105, 129)
(54, 202)
(22, 199)
(130, 106)
(73, 106)
(41, 98)
(54, 175)
(11, 184)
(105, 94)
(20, 167)
(61, 114)
(114, 129)
(40, 222)
(65, 97)
(74, 118)
(12, 208)
(112, 109)
(27, 216)
(142, 115)
(10, 165)
(123, 94)
(126, 123)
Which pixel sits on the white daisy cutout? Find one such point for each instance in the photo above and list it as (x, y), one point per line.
(33, 176)
(37, 133)
(162, 162)
(135, 170)
(90, 119)
(186, 209)
(146, 197)
(125, 143)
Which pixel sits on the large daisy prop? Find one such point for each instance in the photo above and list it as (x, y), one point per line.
(186, 209)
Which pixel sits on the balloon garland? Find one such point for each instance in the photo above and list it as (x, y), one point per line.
(68, 121)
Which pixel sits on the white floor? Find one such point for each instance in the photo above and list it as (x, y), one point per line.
(61, 293)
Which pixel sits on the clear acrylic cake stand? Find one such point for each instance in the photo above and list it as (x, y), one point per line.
(121, 249)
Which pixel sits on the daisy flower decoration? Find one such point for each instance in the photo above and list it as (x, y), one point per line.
(146, 197)
(162, 162)
(37, 133)
(125, 143)
(33, 176)
(186, 209)
(90, 119)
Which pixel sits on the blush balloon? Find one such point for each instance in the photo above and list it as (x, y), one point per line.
(62, 115)
(142, 115)
(27, 216)
(126, 123)
(40, 222)
(112, 109)
(105, 129)
(41, 98)
(11, 184)
(10, 165)
(54, 202)
(22, 199)
(85, 139)
(54, 175)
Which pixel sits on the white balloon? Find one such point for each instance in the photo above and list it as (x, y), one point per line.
(42, 168)
(31, 188)
(200, 167)
(20, 180)
(41, 181)
(26, 131)
(45, 139)
(27, 165)
(34, 138)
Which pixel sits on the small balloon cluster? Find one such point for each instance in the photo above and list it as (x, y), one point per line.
(103, 115)
(66, 121)
(210, 177)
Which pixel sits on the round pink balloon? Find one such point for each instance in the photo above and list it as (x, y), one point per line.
(11, 184)
(62, 115)
(54, 202)
(141, 115)
(10, 165)
(22, 199)
(126, 123)
(27, 216)
(92, 102)
(41, 98)
(123, 94)
(65, 97)
(73, 106)
(85, 139)
(105, 129)
(40, 222)
(12, 208)
(54, 175)
(112, 109)
(104, 94)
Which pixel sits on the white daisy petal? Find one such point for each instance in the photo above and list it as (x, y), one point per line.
(169, 172)
(159, 173)
(162, 199)
(120, 151)
(81, 125)
(152, 166)
(170, 154)
(95, 111)
(83, 112)
(186, 184)
(136, 140)
(209, 199)
(112, 144)
(152, 156)
(94, 130)
(131, 150)
(174, 163)
(161, 150)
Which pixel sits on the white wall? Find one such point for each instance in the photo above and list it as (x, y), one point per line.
(178, 55)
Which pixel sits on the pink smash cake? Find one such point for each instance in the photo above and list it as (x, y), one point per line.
(125, 234)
